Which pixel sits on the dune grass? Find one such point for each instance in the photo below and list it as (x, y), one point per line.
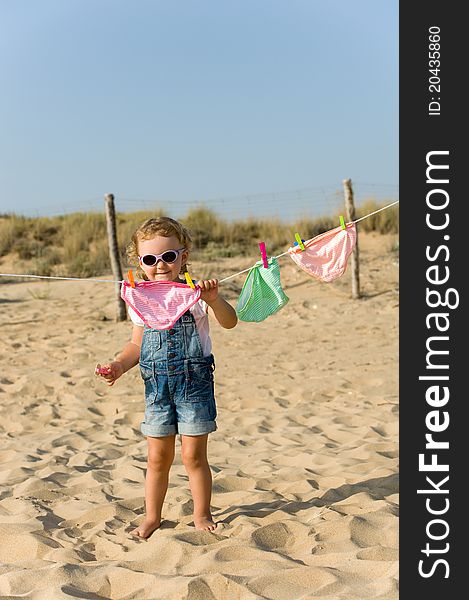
(76, 245)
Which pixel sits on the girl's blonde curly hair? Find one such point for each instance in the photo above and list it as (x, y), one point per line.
(164, 226)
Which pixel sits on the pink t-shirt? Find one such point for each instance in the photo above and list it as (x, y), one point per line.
(199, 312)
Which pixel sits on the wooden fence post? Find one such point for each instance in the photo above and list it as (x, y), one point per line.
(350, 216)
(121, 312)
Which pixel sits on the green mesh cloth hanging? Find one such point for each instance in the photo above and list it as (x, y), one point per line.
(262, 293)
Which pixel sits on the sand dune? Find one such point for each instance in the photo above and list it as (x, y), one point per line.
(304, 463)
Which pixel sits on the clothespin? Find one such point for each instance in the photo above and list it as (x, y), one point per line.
(342, 222)
(189, 280)
(263, 254)
(299, 241)
(130, 276)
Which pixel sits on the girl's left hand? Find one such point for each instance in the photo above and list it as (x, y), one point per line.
(209, 289)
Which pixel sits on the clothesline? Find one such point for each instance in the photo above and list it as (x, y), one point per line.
(220, 281)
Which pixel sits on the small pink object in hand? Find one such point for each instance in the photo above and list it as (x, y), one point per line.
(99, 370)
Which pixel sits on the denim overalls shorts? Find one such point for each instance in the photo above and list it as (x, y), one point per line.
(179, 386)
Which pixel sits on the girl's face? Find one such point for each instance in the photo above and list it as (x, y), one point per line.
(162, 271)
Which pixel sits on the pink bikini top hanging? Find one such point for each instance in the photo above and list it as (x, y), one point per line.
(325, 256)
(159, 303)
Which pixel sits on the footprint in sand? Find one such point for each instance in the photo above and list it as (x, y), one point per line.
(199, 538)
(273, 536)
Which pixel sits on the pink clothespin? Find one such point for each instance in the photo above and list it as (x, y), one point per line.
(130, 276)
(263, 254)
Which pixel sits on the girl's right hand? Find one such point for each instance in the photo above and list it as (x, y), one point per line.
(110, 372)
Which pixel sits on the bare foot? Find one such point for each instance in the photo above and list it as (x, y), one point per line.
(146, 528)
(205, 523)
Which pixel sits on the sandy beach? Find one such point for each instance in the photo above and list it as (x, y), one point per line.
(304, 461)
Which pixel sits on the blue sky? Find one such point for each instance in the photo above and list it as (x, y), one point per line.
(245, 104)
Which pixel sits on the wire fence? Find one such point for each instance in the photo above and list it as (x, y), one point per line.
(311, 202)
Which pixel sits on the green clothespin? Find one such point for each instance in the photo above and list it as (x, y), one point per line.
(342, 222)
(299, 241)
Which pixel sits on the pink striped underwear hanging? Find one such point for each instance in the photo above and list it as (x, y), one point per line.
(325, 256)
(159, 303)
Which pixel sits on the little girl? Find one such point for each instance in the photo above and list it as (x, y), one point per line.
(177, 366)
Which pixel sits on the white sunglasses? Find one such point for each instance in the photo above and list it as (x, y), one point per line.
(168, 256)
